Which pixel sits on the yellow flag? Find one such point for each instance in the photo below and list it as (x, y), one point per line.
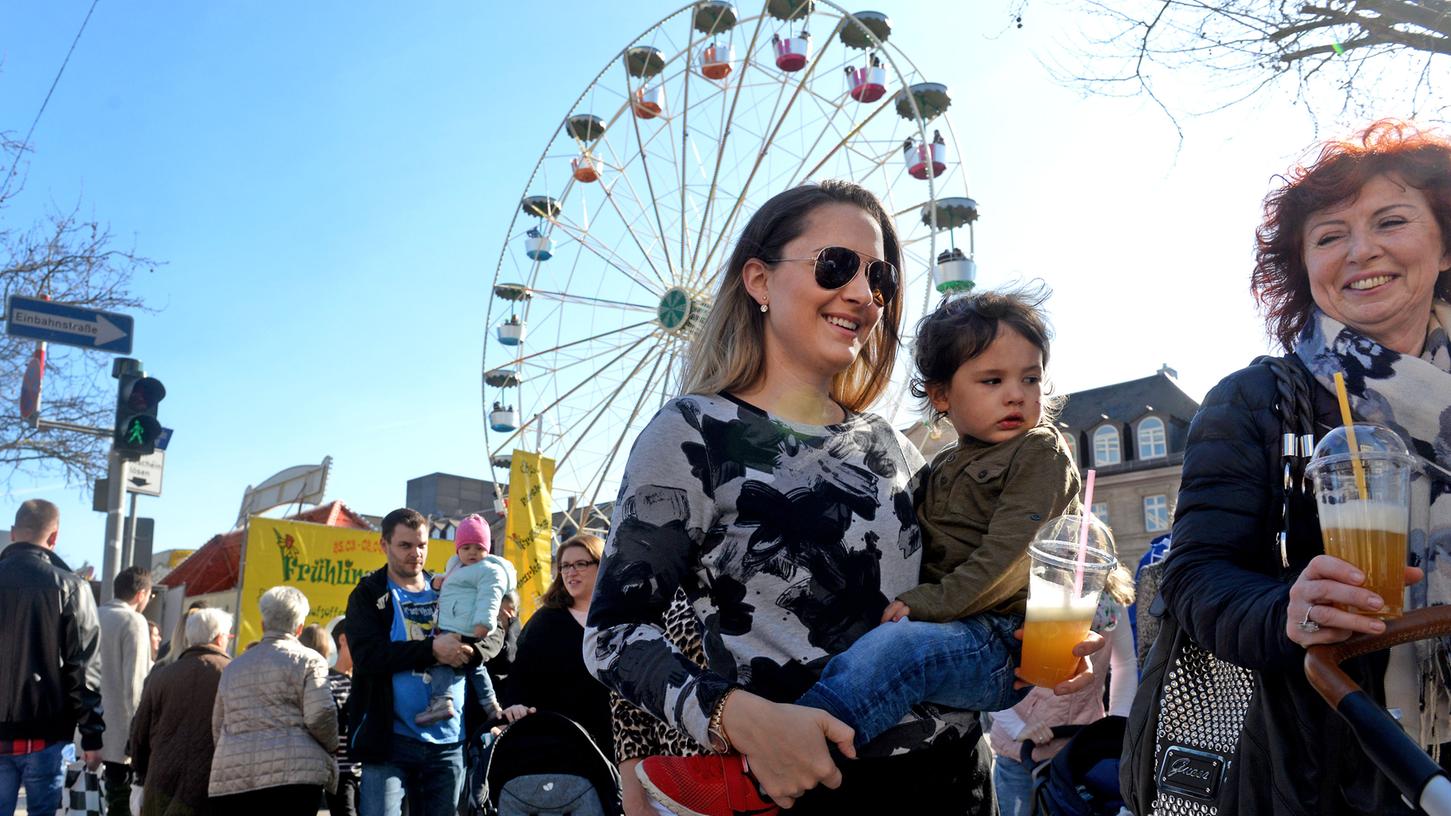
(529, 526)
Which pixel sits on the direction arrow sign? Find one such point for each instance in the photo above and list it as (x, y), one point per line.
(68, 325)
(144, 475)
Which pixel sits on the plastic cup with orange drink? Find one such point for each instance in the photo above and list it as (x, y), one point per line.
(1070, 561)
(1362, 476)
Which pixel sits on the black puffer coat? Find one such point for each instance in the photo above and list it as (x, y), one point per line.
(1225, 585)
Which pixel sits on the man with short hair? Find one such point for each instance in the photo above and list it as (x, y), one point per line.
(125, 661)
(390, 623)
(50, 680)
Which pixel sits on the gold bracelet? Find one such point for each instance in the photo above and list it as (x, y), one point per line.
(720, 742)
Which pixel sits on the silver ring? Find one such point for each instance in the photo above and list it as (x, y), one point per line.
(1308, 626)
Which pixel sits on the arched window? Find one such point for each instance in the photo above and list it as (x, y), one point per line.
(1152, 441)
(1106, 447)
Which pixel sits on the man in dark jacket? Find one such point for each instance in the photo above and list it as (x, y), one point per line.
(50, 680)
(390, 620)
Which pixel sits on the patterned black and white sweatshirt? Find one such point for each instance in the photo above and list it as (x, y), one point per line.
(789, 541)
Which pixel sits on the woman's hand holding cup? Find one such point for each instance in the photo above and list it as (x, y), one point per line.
(1313, 615)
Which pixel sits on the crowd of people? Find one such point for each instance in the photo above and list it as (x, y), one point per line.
(793, 610)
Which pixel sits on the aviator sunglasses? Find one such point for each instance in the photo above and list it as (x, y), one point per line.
(837, 266)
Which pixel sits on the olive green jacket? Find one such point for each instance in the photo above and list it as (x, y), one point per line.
(983, 503)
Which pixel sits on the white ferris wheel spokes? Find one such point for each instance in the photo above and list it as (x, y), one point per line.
(612, 259)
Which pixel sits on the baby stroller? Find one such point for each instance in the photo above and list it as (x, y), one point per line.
(1081, 779)
(546, 765)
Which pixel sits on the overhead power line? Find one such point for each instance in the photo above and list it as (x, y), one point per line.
(26, 143)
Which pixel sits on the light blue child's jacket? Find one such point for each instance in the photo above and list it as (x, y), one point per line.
(471, 594)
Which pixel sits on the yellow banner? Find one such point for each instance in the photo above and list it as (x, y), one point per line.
(324, 562)
(529, 527)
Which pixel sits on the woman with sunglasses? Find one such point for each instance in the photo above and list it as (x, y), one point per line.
(785, 512)
(548, 672)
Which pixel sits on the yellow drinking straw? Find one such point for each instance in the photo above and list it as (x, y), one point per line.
(1350, 434)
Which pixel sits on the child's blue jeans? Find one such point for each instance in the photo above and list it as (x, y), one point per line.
(966, 664)
(441, 677)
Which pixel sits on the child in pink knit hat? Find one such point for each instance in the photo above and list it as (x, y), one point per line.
(470, 594)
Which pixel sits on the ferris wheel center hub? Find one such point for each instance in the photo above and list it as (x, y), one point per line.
(680, 310)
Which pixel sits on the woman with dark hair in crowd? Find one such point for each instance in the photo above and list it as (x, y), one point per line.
(549, 673)
(1352, 272)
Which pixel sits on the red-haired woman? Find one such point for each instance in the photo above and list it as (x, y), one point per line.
(1352, 272)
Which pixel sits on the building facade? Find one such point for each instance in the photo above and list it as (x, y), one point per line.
(444, 495)
(1133, 434)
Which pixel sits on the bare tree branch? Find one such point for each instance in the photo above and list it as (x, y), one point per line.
(1364, 56)
(73, 259)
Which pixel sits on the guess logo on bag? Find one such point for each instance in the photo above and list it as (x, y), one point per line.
(1192, 773)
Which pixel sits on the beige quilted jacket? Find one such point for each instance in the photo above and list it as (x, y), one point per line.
(274, 721)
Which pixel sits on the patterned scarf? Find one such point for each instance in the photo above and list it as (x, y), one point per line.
(1412, 396)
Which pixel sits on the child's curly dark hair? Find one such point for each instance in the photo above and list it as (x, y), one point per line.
(962, 327)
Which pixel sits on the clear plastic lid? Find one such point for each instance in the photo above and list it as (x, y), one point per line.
(1373, 443)
(1064, 530)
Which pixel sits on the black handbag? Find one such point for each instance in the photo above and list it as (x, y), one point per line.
(1184, 727)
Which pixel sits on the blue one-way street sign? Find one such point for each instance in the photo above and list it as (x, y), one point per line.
(68, 325)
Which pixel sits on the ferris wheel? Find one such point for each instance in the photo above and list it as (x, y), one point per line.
(613, 255)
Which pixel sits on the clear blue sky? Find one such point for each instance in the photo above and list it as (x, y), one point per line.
(328, 184)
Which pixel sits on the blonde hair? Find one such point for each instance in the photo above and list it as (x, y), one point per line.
(729, 354)
(316, 638)
(1120, 585)
(178, 642)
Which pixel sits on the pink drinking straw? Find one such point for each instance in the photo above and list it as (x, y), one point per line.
(1083, 533)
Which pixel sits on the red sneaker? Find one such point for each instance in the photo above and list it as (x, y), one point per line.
(710, 785)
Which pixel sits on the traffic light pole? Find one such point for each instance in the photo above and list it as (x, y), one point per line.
(126, 370)
(128, 545)
(115, 530)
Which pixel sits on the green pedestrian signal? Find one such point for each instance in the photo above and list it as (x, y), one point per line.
(137, 427)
